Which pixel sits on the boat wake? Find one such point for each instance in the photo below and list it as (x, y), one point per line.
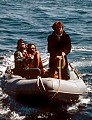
(12, 109)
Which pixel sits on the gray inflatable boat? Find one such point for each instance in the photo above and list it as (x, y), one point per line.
(58, 90)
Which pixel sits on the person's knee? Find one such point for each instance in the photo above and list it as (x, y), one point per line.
(34, 72)
(37, 71)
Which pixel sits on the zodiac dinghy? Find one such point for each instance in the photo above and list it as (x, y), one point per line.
(58, 90)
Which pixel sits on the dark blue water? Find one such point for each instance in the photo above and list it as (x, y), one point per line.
(31, 20)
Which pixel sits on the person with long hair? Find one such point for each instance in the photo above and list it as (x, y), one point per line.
(59, 44)
(34, 59)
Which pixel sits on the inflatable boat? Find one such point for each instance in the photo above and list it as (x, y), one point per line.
(54, 89)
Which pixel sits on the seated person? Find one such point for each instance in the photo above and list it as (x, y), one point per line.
(34, 59)
(20, 56)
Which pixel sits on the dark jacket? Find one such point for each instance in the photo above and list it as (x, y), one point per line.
(57, 46)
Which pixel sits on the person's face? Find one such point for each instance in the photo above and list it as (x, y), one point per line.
(22, 45)
(32, 48)
(59, 30)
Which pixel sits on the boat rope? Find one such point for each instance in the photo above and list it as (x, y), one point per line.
(60, 58)
(57, 91)
(59, 67)
(39, 80)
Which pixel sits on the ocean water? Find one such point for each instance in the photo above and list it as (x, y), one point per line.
(31, 20)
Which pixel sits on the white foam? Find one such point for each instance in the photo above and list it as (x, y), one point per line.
(80, 48)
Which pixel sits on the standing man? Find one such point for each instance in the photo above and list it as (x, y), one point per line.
(59, 44)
